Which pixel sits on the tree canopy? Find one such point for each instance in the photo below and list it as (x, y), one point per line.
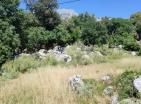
(41, 27)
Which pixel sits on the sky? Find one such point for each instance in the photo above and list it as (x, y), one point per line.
(101, 8)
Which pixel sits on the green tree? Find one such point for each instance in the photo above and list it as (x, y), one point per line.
(37, 38)
(136, 20)
(120, 31)
(9, 41)
(93, 32)
(23, 21)
(8, 8)
(45, 11)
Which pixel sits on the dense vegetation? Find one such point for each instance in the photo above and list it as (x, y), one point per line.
(41, 27)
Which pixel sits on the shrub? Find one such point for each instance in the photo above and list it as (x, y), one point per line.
(132, 46)
(22, 64)
(124, 84)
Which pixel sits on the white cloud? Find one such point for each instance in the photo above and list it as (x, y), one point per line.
(67, 13)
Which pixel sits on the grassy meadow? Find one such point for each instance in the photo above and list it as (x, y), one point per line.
(49, 84)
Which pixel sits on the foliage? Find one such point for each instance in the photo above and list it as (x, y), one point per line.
(124, 84)
(22, 21)
(37, 38)
(44, 10)
(8, 8)
(132, 46)
(24, 63)
(61, 36)
(92, 32)
(136, 20)
(9, 41)
(121, 31)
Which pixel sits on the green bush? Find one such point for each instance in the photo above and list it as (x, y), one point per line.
(132, 46)
(124, 85)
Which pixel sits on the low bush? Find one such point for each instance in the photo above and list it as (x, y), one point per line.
(124, 85)
(24, 64)
(132, 46)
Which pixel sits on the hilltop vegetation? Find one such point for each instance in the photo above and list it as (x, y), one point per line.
(41, 27)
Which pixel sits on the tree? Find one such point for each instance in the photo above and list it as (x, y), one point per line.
(119, 26)
(37, 38)
(119, 31)
(45, 11)
(9, 41)
(22, 21)
(93, 32)
(136, 20)
(8, 8)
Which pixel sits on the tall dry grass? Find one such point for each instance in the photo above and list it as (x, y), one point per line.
(49, 85)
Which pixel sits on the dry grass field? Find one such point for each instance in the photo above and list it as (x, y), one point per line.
(49, 85)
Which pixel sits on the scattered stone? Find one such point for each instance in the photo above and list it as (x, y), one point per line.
(78, 49)
(65, 57)
(76, 83)
(115, 99)
(99, 53)
(120, 46)
(137, 84)
(108, 90)
(106, 79)
(22, 55)
(58, 49)
(56, 52)
(42, 53)
(133, 53)
(130, 101)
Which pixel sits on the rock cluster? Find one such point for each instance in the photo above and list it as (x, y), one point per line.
(137, 84)
(108, 90)
(76, 83)
(57, 53)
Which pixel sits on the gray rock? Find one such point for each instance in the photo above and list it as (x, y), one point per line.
(24, 54)
(108, 90)
(99, 53)
(76, 83)
(58, 49)
(106, 78)
(120, 46)
(59, 55)
(66, 58)
(115, 99)
(137, 84)
(42, 53)
(133, 53)
(130, 101)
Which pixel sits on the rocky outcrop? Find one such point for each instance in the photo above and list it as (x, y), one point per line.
(137, 84)
(57, 52)
(76, 83)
